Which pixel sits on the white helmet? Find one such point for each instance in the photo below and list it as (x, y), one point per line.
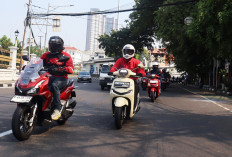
(155, 63)
(128, 51)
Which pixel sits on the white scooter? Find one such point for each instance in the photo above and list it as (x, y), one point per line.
(122, 96)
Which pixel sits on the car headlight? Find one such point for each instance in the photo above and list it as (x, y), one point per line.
(101, 78)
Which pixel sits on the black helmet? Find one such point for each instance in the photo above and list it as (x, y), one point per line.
(164, 70)
(56, 44)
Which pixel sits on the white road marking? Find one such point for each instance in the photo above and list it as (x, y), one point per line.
(6, 133)
(209, 100)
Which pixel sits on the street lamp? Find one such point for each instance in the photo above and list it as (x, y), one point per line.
(188, 20)
(16, 35)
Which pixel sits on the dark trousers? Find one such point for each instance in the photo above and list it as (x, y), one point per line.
(56, 84)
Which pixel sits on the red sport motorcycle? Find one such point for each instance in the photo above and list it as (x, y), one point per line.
(153, 87)
(34, 99)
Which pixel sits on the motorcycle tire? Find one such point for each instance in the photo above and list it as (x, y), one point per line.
(102, 87)
(144, 88)
(20, 125)
(118, 116)
(152, 95)
(163, 87)
(61, 121)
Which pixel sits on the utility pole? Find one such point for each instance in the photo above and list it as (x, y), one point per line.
(29, 49)
(45, 39)
(25, 28)
(40, 46)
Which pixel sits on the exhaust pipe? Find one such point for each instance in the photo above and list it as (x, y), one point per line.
(72, 104)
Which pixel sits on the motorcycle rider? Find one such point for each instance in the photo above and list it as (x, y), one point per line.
(129, 62)
(166, 73)
(155, 69)
(58, 70)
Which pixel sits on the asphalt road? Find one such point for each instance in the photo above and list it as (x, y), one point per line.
(177, 124)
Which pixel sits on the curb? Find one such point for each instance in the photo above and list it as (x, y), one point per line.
(7, 85)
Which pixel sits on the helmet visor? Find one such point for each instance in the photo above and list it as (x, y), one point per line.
(128, 51)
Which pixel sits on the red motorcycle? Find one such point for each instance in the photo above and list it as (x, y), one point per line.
(34, 99)
(144, 83)
(153, 87)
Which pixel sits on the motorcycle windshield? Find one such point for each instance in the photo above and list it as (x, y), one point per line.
(31, 71)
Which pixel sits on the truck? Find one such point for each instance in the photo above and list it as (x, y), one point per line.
(104, 79)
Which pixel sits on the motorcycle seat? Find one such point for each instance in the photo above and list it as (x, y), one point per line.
(67, 85)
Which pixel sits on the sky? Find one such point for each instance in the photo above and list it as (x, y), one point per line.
(73, 29)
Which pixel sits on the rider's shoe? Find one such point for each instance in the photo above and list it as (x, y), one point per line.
(56, 114)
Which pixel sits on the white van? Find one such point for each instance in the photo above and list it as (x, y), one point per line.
(104, 79)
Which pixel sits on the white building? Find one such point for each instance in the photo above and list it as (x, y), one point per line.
(96, 26)
(110, 24)
(78, 56)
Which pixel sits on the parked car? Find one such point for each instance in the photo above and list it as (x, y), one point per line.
(84, 76)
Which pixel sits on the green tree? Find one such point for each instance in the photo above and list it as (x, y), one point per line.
(5, 42)
(211, 27)
(35, 50)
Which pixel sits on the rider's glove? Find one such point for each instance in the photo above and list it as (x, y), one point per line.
(56, 69)
(139, 74)
(61, 69)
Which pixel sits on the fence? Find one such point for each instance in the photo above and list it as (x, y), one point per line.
(5, 59)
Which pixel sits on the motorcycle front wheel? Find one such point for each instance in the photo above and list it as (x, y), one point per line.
(144, 87)
(118, 116)
(20, 123)
(153, 97)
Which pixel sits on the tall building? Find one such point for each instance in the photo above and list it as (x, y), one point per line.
(96, 26)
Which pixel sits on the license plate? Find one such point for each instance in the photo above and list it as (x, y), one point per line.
(21, 99)
(109, 84)
(122, 84)
(153, 81)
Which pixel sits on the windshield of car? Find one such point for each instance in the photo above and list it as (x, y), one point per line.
(105, 69)
(84, 73)
(30, 72)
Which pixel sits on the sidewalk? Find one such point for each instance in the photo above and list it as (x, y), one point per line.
(6, 84)
(216, 95)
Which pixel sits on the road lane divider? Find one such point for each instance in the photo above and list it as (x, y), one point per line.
(6, 133)
(225, 108)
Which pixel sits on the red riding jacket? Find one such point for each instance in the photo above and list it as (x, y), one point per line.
(128, 64)
(52, 60)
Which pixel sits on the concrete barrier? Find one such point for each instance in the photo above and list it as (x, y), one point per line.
(8, 75)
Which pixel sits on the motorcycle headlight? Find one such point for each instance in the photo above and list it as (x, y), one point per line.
(33, 91)
(123, 72)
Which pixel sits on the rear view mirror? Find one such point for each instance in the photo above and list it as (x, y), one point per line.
(64, 59)
(25, 57)
(140, 65)
(110, 65)
(23, 67)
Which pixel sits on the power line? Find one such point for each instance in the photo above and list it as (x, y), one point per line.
(33, 36)
(116, 11)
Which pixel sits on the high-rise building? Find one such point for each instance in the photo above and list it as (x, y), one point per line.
(96, 26)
